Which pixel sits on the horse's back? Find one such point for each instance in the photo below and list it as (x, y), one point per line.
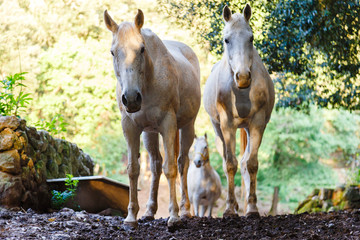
(188, 71)
(177, 76)
(211, 91)
(180, 51)
(266, 85)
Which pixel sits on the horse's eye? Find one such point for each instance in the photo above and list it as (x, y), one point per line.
(205, 147)
(112, 53)
(252, 39)
(226, 40)
(142, 49)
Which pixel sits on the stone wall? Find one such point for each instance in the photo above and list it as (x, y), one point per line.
(28, 157)
(324, 200)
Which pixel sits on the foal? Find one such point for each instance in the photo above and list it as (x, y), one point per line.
(204, 186)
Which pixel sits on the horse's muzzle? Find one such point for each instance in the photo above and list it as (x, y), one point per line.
(243, 81)
(132, 101)
(197, 163)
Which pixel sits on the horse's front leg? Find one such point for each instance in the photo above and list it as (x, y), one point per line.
(249, 163)
(168, 131)
(196, 201)
(132, 135)
(151, 142)
(187, 135)
(230, 164)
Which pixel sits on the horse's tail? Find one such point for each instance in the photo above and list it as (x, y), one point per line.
(176, 146)
(243, 143)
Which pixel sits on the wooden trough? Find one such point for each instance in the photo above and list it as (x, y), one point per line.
(97, 194)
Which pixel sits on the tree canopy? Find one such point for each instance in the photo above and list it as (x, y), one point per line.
(310, 46)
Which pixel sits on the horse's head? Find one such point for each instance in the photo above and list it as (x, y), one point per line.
(201, 151)
(238, 41)
(129, 54)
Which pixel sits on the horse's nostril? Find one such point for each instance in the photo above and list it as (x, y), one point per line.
(138, 98)
(249, 75)
(237, 75)
(124, 100)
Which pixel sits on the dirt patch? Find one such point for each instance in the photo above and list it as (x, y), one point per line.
(68, 224)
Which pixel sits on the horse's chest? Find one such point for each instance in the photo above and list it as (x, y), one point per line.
(242, 109)
(150, 121)
(240, 104)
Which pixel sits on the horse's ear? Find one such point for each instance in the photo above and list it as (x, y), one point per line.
(195, 136)
(226, 13)
(205, 136)
(247, 12)
(139, 19)
(110, 23)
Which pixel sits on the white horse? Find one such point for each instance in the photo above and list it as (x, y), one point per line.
(239, 93)
(204, 185)
(158, 91)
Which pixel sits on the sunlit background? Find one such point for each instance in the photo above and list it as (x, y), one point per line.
(313, 138)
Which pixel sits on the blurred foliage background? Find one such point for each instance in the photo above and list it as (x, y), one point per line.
(311, 48)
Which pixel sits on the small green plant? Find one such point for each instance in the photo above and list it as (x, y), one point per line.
(55, 127)
(60, 199)
(12, 98)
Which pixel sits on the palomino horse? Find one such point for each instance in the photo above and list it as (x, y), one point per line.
(239, 93)
(204, 185)
(158, 91)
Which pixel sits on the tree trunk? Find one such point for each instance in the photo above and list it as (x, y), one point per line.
(275, 200)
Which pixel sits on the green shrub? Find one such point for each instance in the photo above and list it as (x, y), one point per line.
(293, 136)
(55, 127)
(295, 181)
(60, 199)
(13, 99)
(295, 148)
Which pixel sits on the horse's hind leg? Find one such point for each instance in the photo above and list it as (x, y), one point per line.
(219, 140)
(203, 210)
(151, 143)
(211, 205)
(187, 135)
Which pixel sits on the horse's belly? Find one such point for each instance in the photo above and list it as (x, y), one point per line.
(204, 201)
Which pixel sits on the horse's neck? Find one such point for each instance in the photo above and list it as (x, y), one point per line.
(206, 169)
(225, 67)
(154, 46)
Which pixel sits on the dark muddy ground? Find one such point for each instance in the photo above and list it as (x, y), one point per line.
(67, 224)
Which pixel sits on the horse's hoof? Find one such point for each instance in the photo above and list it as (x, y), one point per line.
(253, 215)
(174, 223)
(147, 218)
(128, 226)
(229, 214)
(185, 215)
